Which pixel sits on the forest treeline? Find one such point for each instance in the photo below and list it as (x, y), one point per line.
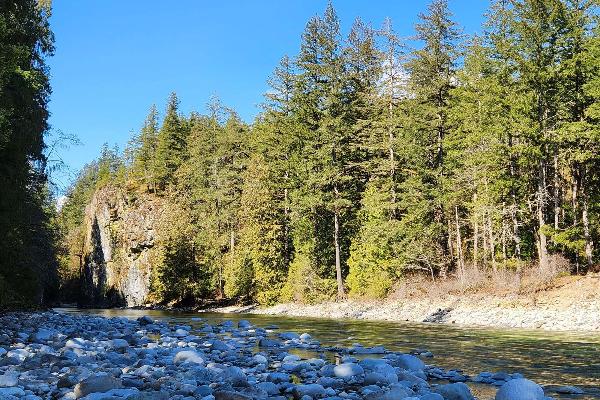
(28, 227)
(376, 157)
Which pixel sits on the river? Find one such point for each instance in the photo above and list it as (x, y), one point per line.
(548, 358)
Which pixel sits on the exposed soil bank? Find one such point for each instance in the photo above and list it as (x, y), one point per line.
(569, 303)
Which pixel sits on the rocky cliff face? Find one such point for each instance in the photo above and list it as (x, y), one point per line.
(117, 254)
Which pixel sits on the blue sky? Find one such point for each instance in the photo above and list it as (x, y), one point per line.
(115, 58)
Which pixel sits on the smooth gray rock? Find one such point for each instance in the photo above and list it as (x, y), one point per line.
(9, 379)
(230, 395)
(266, 342)
(409, 362)
(311, 389)
(119, 344)
(431, 396)
(153, 395)
(520, 389)
(278, 377)
(44, 335)
(235, 375)
(96, 384)
(454, 391)
(269, 387)
(396, 392)
(260, 359)
(11, 391)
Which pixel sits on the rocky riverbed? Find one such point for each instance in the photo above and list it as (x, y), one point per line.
(52, 355)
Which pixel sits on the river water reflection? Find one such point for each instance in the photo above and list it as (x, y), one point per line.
(548, 358)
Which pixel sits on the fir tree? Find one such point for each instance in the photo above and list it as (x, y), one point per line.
(171, 144)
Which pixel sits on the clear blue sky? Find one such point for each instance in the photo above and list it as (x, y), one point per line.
(115, 58)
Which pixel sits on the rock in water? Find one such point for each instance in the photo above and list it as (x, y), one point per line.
(455, 391)
(520, 389)
(145, 320)
(243, 324)
(305, 337)
(96, 384)
(569, 390)
(289, 335)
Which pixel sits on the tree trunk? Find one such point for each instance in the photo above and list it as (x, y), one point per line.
(286, 225)
(515, 206)
(515, 232)
(449, 243)
(542, 240)
(476, 243)
(391, 154)
(574, 189)
(503, 234)
(338, 264)
(589, 245)
(232, 247)
(459, 253)
(485, 240)
(491, 241)
(556, 192)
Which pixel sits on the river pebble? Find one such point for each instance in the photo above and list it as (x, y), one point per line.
(57, 356)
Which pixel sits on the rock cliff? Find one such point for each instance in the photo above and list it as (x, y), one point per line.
(117, 252)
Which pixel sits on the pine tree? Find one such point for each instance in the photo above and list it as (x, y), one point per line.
(578, 136)
(143, 151)
(260, 269)
(535, 27)
(432, 70)
(331, 188)
(376, 96)
(275, 137)
(171, 144)
(478, 162)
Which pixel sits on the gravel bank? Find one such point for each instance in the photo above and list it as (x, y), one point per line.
(58, 356)
(574, 306)
(490, 312)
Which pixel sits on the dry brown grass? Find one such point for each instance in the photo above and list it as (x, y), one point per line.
(505, 282)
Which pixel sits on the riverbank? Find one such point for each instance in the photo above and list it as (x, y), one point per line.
(50, 355)
(569, 303)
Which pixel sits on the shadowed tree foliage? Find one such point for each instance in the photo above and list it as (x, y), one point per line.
(27, 258)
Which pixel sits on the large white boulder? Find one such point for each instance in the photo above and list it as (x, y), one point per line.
(188, 356)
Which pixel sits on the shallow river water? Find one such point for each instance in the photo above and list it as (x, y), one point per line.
(548, 358)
